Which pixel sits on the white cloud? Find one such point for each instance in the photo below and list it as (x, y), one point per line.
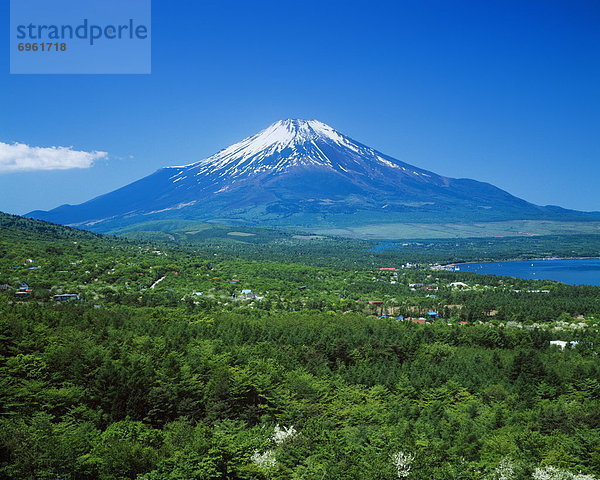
(18, 157)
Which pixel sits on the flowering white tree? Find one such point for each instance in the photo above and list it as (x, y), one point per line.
(553, 473)
(402, 463)
(267, 460)
(283, 433)
(505, 470)
(264, 460)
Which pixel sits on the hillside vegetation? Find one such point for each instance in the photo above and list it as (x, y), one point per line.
(232, 357)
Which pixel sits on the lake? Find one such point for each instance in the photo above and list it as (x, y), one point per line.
(580, 271)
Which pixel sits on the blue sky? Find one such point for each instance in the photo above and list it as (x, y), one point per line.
(501, 91)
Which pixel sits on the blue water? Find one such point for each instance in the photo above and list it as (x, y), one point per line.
(581, 271)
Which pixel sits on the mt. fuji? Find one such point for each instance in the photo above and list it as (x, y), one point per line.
(302, 174)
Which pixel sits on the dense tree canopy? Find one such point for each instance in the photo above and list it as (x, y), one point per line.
(164, 369)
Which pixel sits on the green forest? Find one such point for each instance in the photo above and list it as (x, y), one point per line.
(274, 356)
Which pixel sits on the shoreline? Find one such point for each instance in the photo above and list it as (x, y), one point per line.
(458, 264)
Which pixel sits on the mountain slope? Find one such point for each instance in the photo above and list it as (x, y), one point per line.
(303, 174)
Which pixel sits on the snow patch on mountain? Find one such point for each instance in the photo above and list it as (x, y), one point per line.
(286, 144)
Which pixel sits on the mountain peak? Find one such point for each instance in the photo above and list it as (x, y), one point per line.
(294, 129)
(288, 145)
(285, 143)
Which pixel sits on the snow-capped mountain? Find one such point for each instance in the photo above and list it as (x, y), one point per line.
(292, 143)
(299, 173)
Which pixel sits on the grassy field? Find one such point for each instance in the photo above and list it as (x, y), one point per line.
(512, 228)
